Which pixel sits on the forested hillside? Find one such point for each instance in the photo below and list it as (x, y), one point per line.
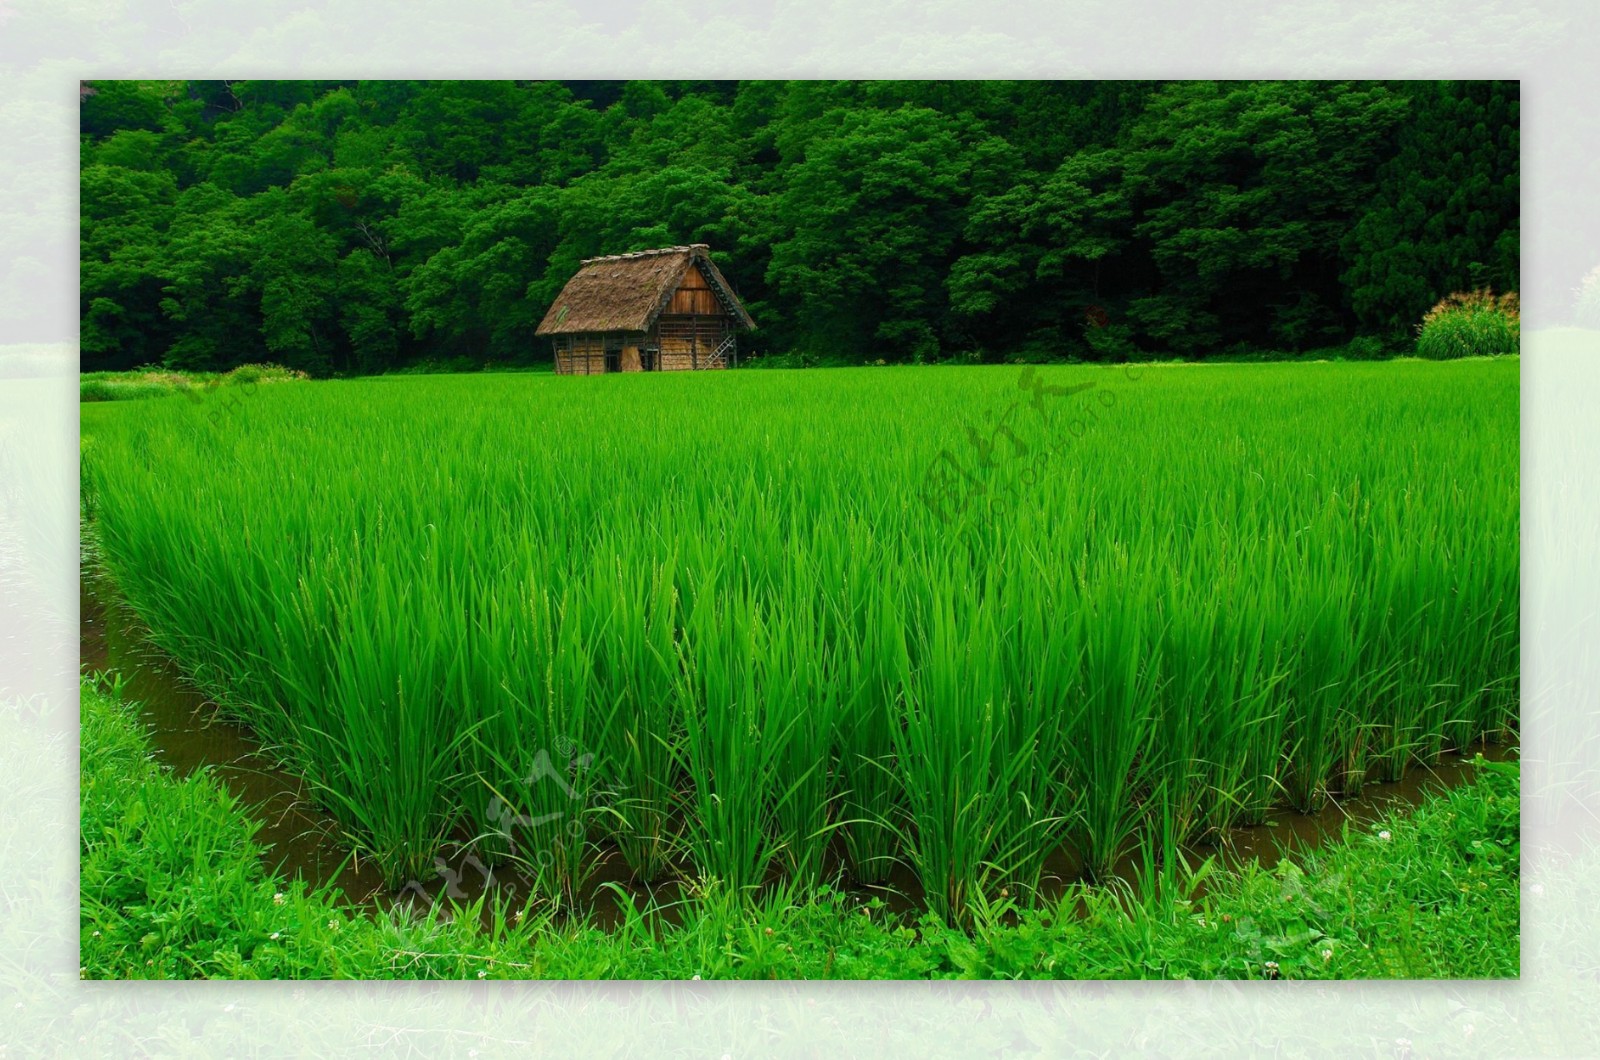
(354, 227)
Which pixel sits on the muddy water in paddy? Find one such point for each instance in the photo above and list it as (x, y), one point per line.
(187, 733)
(1283, 832)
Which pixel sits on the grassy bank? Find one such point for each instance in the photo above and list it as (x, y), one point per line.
(163, 382)
(173, 886)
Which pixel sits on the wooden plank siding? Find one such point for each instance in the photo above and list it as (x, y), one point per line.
(690, 301)
(586, 354)
(694, 296)
(687, 341)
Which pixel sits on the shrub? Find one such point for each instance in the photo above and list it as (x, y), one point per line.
(124, 388)
(439, 366)
(1113, 342)
(1365, 348)
(153, 382)
(246, 374)
(1471, 324)
(793, 359)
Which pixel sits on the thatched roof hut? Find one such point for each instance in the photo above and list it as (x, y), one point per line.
(652, 310)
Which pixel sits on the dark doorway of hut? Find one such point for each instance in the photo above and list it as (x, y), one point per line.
(613, 352)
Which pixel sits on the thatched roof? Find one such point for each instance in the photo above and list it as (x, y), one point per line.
(626, 292)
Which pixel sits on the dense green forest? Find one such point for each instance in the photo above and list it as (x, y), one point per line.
(358, 226)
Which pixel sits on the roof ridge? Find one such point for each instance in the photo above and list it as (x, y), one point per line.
(657, 252)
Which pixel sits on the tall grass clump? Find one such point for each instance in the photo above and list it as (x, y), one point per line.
(705, 625)
(741, 717)
(872, 668)
(638, 660)
(964, 749)
(1475, 323)
(151, 382)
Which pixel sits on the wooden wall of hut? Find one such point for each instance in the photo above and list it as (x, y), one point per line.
(586, 354)
(685, 341)
(694, 297)
(688, 341)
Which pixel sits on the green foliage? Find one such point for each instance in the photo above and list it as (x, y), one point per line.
(357, 227)
(1180, 598)
(437, 366)
(868, 218)
(124, 105)
(1251, 184)
(481, 285)
(1471, 324)
(1444, 213)
(1112, 342)
(172, 886)
(1364, 348)
(170, 874)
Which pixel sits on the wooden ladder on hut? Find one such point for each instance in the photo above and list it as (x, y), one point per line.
(718, 358)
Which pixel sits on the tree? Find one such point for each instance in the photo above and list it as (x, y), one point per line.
(1445, 213)
(125, 214)
(1041, 249)
(476, 297)
(207, 294)
(113, 106)
(294, 269)
(1244, 191)
(868, 220)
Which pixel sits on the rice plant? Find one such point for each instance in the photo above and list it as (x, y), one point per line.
(873, 666)
(711, 622)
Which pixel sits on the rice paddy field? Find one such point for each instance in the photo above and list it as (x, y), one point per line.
(800, 627)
